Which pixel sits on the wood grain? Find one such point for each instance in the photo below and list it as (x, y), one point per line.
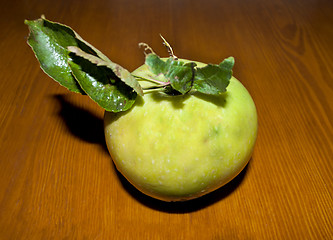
(57, 179)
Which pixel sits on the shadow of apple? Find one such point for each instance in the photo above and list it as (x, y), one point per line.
(185, 206)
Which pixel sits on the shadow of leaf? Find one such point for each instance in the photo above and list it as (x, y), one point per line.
(220, 100)
(80, 122)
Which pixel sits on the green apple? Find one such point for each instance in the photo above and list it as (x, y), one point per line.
(176, 148)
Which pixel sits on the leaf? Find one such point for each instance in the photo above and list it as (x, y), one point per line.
(49, 41)
(102, 85)
(52, 42)
(80, 67)
(156, 64)
(179, 74)
(214, 79)
(122, 73)
(227, 64)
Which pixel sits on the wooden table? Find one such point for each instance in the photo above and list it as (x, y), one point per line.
(57, 178)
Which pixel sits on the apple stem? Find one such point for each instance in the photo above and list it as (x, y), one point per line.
(160, 83)
(169, 48)
(147, 48)
(150, 90)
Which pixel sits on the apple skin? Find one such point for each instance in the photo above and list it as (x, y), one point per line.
(177, 148)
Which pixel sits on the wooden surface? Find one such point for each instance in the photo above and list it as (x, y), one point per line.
(57, 180)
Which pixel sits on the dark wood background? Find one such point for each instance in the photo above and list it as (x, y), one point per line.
(57, 180)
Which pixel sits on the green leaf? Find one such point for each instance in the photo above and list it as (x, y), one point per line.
(214, 79)
(102, 85)
(53, 44)
(179, 74)
(227, 64)
(122, 73)
(80, 67)
(156, 65)
(49, 42)
(211, 79)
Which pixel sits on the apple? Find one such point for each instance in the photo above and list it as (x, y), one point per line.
(177, 148)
